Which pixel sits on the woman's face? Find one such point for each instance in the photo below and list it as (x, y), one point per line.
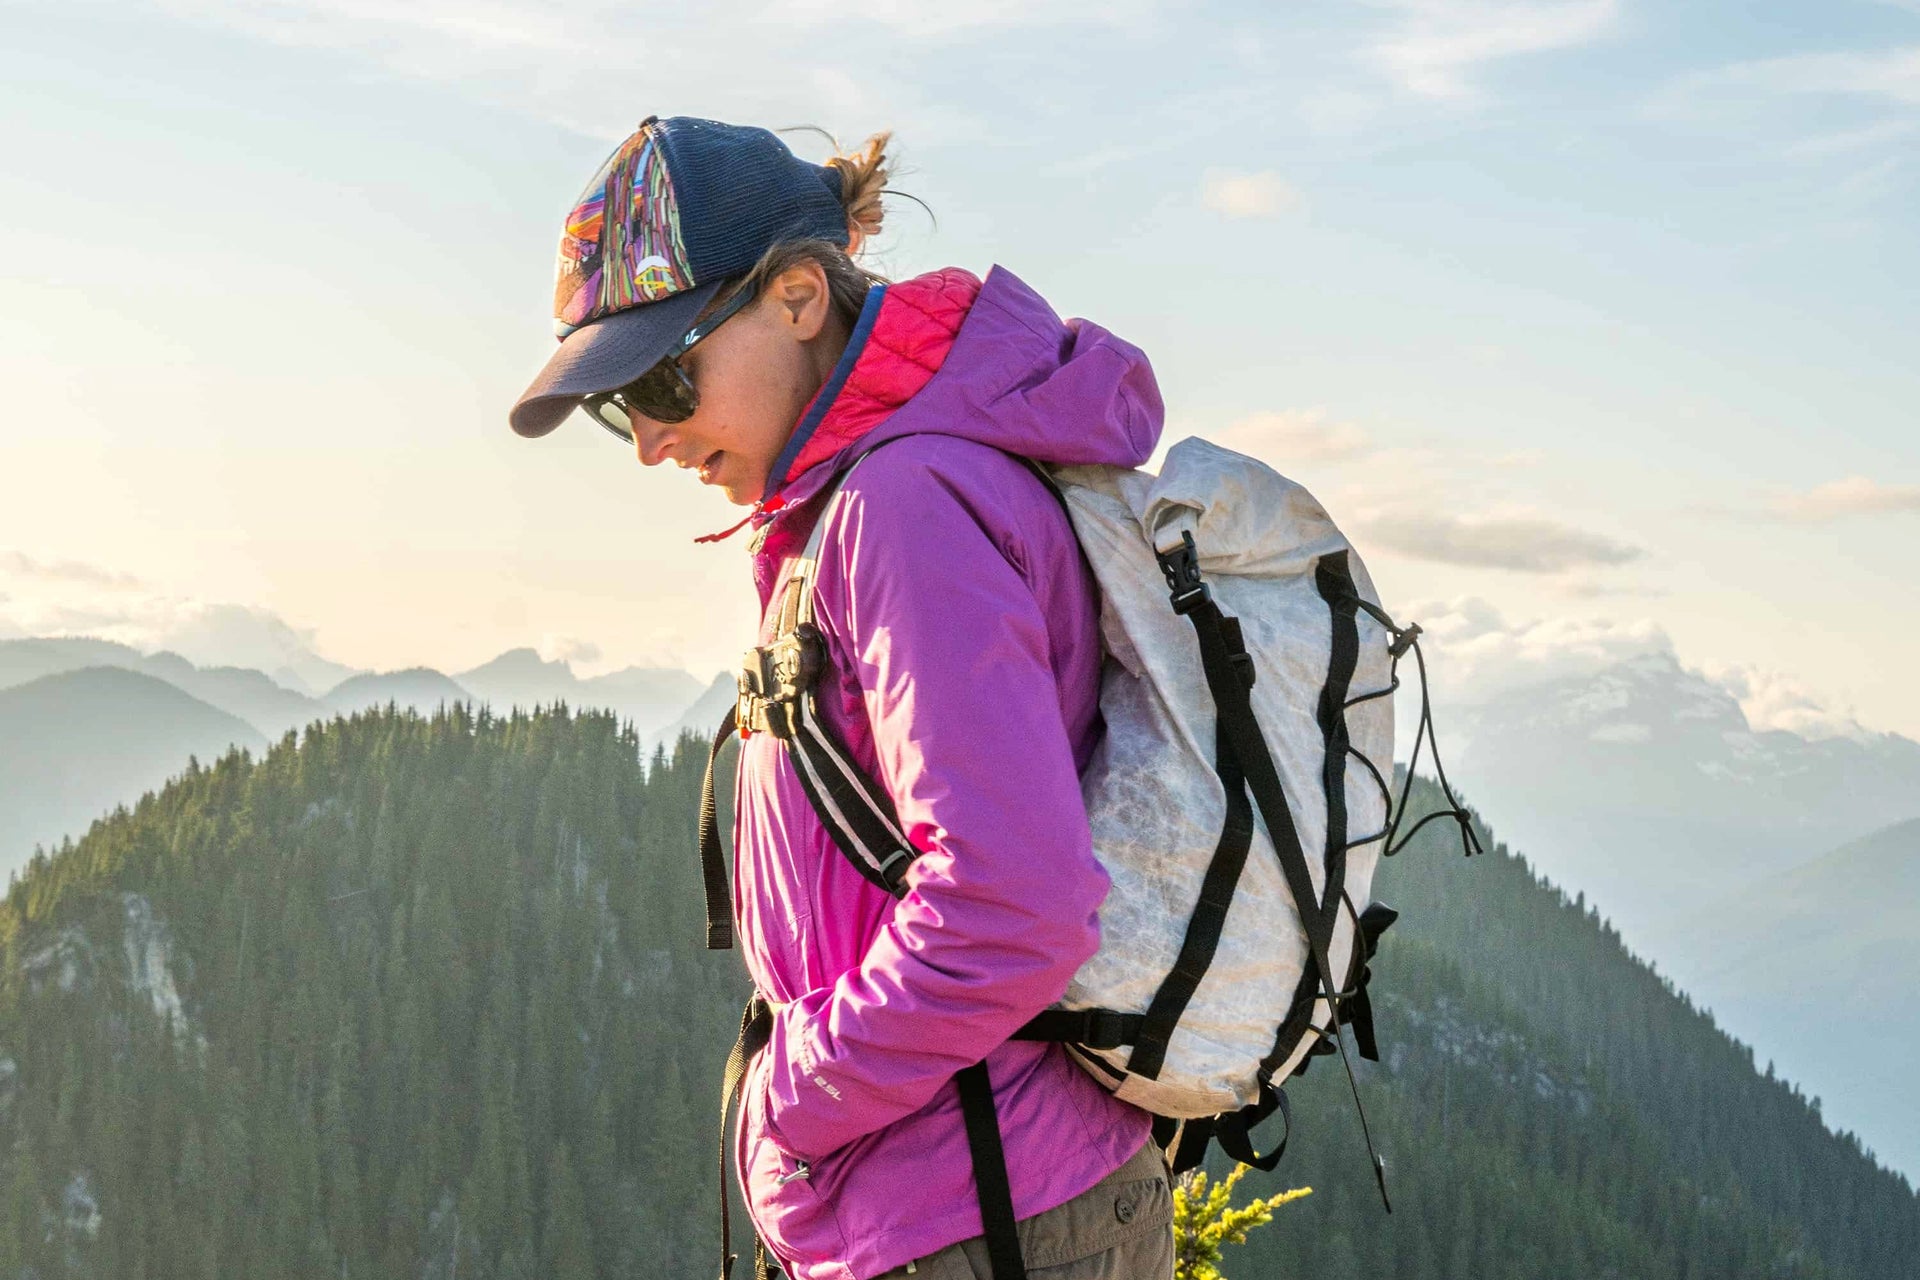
(754, 375)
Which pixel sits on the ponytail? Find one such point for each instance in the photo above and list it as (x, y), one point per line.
(863, 176)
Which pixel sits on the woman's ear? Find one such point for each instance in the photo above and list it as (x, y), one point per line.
(803, 297)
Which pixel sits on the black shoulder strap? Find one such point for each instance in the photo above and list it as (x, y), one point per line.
(777, 696)
(1219, 652)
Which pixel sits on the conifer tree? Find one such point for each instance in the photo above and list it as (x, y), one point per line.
(566, 1246)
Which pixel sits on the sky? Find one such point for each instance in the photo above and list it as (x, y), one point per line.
(1592, 322)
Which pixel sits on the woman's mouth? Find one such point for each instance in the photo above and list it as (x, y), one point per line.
(711, 465)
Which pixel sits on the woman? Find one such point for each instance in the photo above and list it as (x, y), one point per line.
(710, 314)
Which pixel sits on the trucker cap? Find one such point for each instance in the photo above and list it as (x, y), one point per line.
(681, 206)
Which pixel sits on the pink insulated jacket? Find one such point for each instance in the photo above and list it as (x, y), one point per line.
(963, 629)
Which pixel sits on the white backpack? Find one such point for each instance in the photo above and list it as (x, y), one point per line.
(1277, 603)
(1240, 800)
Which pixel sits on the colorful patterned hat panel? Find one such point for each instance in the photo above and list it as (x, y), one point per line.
(622, 244)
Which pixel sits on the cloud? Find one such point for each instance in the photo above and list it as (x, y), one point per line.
(1775, 700)
(1890, 77)
(21, 567)
(1525, 544)
(1853, 496)
(861, 69)
(1483, 654)
(1478, 654)
(568, 649)
(934, 19)
(1440, 44)
(236, 635)
(1848, 141)
(1247, 195)
(1291, 436)
(69, 598)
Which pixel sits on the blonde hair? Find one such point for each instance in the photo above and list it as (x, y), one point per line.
(864, 174)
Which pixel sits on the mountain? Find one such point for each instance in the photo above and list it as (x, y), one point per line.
(433, 990)
(75, 744)
(520, 677)
(652, 697)
(247, 694)
(31, 657)
(1818, 966)
(704, 716)
(1644, 787)
(1645, 790)
(235, 635)
(421, 688)
(239, 691)
(649, 696)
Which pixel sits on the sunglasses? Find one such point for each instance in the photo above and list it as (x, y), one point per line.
(664, 392)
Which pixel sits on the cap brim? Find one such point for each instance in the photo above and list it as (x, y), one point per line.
(608, 353)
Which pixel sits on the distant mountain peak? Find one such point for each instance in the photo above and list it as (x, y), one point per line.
(520, 663)
(1620, 703)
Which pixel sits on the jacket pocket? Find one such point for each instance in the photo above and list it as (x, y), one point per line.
(790, 1211)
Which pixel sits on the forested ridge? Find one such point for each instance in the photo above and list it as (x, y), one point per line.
(426, 997)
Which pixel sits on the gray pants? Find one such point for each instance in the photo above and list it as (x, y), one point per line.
(1121, 1228)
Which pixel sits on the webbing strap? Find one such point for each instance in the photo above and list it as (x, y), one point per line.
(1334, 580)
(1242, 732)
(1234, 1130)
(713, 861)
(1185, 1141)
(1088, 1028)
(990, 1173)
(1234, 708)
(858, 815)
(756, 1028)
(1209, 917)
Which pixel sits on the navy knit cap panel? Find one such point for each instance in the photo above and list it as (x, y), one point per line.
(741, 191)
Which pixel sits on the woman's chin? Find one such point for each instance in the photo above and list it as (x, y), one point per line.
(741, 493)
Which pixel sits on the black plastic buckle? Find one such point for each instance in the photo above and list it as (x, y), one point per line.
(1182, 568)
(1237, 656)
(893, 869)
(775, 677)
(1403, 639)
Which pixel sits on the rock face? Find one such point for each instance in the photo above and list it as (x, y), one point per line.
(151, 956)
(71, 961)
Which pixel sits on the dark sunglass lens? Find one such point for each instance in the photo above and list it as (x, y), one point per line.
(662, 393)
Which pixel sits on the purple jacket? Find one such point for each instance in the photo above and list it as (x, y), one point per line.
(962, 624)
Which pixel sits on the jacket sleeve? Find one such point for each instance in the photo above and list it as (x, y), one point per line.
(951, 652)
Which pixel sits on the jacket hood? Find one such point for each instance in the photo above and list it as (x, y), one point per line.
(948, 354)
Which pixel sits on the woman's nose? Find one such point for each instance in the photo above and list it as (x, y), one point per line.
(651, 440)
